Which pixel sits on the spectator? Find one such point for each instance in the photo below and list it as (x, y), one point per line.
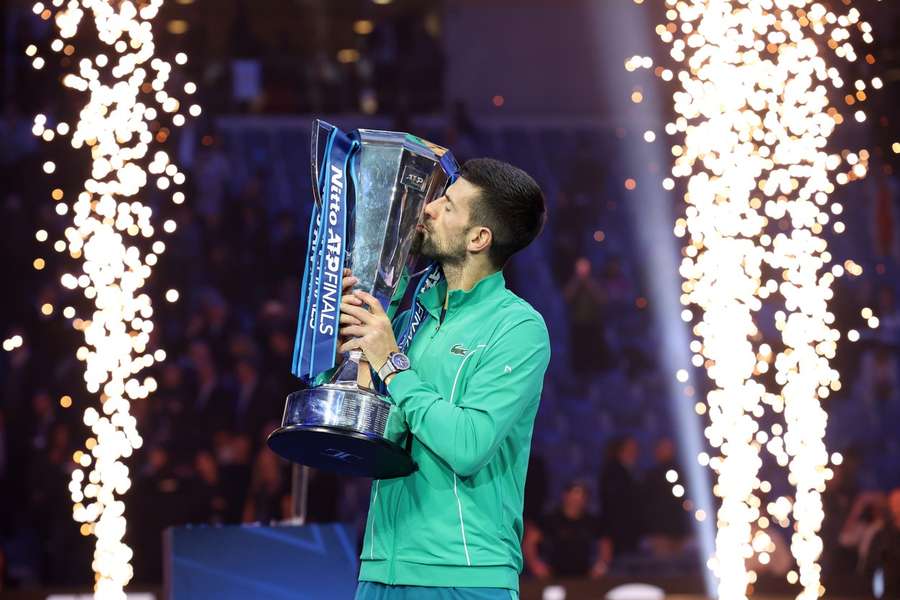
(837, 502)
(255, 402)
(233, 456)
(867, 517)
(620, 495)
(618, 288)
(170, 408)
(212, 396)
(568, 245)
(212, 170)
(269, 497)
(43, 418)
(51, 466)
(206, 496)
(587, 315)
(884, 554)
(158, 496)
(667, 525)
(568, 542)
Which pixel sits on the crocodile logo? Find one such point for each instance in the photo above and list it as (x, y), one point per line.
(459, 350)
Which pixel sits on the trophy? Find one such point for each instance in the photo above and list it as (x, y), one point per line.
(370, 188)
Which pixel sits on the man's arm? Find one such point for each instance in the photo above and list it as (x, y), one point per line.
(533, 537)
(604, 557)
(466, 428)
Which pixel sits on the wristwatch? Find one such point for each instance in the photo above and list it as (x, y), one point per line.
(396, 362)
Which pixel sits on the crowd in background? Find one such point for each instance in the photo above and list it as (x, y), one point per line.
(229, 340)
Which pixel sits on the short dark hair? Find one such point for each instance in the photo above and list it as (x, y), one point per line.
(577, 483)
(511, 205)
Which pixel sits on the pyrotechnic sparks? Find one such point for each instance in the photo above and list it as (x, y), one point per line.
(753, 97)
(124, 85)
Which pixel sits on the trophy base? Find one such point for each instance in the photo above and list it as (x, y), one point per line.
(341, 451)
(340, 428)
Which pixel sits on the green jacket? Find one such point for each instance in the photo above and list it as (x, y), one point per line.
(469, 402)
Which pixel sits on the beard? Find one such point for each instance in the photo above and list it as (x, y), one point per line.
(447, 252)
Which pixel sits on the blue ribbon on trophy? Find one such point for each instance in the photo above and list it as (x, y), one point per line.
(315, 344)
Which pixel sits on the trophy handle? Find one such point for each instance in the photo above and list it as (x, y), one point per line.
(318, 141)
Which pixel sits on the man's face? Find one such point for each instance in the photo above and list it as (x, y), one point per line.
(445, 224)
(629, 453)
(575, 501)
(894, 505)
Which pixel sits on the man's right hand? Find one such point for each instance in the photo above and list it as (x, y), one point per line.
(347, 283)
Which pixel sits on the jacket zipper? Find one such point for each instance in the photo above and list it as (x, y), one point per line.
(440, 322)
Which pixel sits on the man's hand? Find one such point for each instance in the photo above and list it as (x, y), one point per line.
(599, 569)
(371, 331)
(347, 283)
(540, 569)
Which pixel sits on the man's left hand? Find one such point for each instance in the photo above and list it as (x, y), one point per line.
(368, 331)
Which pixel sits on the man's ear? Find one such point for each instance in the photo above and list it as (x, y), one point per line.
(480, 239)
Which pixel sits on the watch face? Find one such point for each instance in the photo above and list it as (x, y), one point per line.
(400, 361)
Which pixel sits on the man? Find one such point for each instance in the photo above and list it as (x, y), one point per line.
(568, 542)
(467, 395)
(884, 552)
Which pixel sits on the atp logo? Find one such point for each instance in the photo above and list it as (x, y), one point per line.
(341, 455)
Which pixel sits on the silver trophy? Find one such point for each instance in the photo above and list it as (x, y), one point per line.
(340, 426)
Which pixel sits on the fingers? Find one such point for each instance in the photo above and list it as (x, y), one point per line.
(348, 280)
(349, 320)
(353, 331)
(371, 301)
(360, 313)
(349, 345)
(351, 299)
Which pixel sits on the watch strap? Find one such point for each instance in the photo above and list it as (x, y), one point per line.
(388, 367)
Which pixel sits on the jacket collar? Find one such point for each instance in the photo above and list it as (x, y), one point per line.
(487, 287)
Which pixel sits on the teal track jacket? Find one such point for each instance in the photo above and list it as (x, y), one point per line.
(469, 402)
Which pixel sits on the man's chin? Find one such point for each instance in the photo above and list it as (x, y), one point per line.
(418, 244)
